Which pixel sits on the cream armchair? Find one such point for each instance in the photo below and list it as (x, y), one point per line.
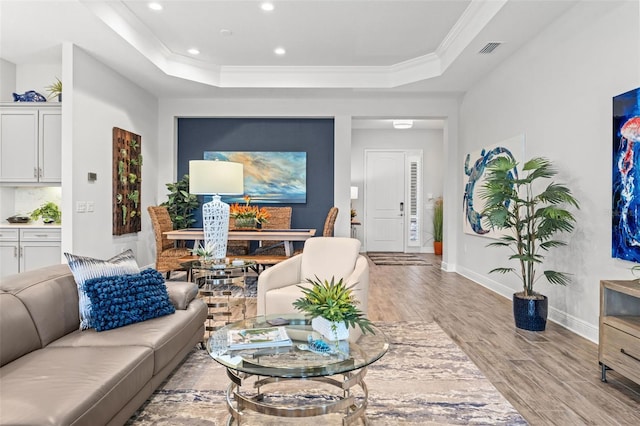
(325, 257)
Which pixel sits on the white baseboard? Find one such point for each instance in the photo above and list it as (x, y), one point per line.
(576, 325)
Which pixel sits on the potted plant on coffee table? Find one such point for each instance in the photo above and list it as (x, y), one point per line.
(332, 307)
(532, 220)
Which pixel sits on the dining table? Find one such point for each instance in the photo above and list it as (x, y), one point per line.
(286, 235)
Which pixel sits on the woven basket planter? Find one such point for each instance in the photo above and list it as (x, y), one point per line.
(323, 326)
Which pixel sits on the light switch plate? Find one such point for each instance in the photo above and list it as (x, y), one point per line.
(81, 206)
(90, 206)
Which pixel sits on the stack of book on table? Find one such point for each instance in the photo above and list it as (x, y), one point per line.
(255, 338)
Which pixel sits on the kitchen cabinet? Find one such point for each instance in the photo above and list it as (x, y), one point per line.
(30, 143)
(26, 248)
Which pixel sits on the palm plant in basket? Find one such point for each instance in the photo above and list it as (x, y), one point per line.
(336, 303)
(533, 219)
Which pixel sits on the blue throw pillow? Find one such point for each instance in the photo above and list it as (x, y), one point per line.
(84, 268)
(126, 299)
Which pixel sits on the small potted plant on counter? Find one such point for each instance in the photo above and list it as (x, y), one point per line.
(332, 307)
(49, 212)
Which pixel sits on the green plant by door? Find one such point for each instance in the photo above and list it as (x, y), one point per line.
(438, 220)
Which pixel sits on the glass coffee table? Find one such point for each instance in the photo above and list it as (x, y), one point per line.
(341, 371)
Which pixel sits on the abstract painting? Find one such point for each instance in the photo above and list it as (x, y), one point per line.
(475, 165)
(626, 177)
(269, 177)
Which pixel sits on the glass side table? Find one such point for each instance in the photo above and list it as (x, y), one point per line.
(222, 286)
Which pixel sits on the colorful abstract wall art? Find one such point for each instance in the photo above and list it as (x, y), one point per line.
(626, 177)
(269, 177)
(475, 165)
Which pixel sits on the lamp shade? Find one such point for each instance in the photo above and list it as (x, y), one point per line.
(354, 192)
(208, 177)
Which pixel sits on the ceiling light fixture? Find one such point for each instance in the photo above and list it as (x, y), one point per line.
(267, 7)
(402, 124)
(193, 51)
(155, 6)
(279, 51)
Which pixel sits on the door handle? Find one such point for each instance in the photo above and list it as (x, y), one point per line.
(401, 208)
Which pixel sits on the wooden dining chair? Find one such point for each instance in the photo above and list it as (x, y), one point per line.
(279, 218)
(167, 254)
(330, 222)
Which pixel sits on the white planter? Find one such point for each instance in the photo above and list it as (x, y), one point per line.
(323, 326)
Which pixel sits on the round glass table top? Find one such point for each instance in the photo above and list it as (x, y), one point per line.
(302, 357)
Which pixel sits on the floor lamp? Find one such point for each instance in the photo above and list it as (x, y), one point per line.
(213, 177)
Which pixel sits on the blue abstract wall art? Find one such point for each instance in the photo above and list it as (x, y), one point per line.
(626, 177)
(269, 177)
(474, 169)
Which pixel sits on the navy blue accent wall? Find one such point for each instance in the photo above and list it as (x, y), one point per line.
(315, 136)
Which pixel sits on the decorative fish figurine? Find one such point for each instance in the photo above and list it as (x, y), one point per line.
(317, 346)
(30, 96)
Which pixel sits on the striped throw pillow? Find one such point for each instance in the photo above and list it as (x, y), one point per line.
(85, 268)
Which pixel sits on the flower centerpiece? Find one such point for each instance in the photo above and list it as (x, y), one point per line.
(248, 216)
(332, 306)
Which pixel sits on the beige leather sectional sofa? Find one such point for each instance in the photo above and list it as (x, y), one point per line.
(51, 373)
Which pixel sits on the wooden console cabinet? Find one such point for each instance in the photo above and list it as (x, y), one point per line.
(619, 345)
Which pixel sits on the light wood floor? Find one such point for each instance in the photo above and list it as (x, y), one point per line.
(550, 377)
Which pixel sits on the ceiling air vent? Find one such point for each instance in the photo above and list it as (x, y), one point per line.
(489, 47)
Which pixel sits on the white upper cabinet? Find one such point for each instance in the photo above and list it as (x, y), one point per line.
(50, 145)
(30, 144)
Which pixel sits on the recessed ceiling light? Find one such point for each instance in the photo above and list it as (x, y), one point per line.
(266, 6)
(193, 51)
(279, 51)
(155, 6)
(402, 124)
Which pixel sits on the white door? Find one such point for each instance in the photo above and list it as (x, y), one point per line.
(384, 200)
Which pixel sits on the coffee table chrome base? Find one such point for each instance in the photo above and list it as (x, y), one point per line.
(348, 403)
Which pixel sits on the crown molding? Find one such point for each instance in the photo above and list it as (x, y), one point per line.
(123, 22)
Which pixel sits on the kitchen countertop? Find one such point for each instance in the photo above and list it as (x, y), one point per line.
(32, 225)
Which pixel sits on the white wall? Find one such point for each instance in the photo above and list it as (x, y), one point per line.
(558, 91)
(341, 108)
(7, 80)
(37, 77)
(431, 144)
(98, 100)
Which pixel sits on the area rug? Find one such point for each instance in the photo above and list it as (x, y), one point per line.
(424, 379)
(381, 258)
